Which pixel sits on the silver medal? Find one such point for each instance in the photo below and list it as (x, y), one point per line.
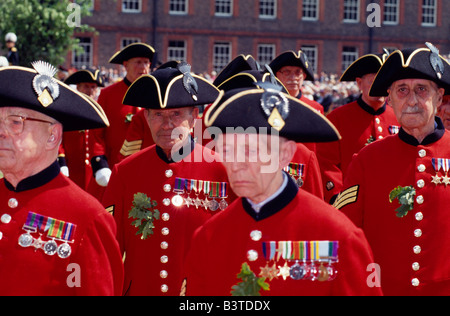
(50, 247)
(213, 205)
(64, 251)
(26, 240)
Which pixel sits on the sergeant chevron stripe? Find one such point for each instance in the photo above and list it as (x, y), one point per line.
(346, 197)
(129, 148)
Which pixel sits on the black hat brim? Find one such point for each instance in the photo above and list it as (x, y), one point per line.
(290, 58)
(367, 64)
(248, 79)
(164, 89)
(237, 65)
(132, 51)
(241, 110)
(74, 110)
(85, 75)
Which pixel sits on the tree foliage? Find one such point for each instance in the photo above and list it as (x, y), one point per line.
(44, 28)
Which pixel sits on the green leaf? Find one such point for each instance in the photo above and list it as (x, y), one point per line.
(250, 284)
(405, 196)
(144, 212)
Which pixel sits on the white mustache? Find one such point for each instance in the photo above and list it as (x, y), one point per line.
(412, 109)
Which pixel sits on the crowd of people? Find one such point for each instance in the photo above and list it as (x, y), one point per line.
(109, 178)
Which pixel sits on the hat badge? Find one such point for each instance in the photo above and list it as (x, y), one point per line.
(189, 82)
(274, 104)
(435, 60)
(44, 83)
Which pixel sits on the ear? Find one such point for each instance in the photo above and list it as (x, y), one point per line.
(55, 137)
(287, 152)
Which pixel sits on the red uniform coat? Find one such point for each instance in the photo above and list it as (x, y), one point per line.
(312, 179)
(109, 140)
(75, 150)
(138, 136)
(153, 266)
(413, 251)
(358, 125)
(222, 244)
(95, 251)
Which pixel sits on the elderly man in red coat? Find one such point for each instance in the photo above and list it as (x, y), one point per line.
(55, 239)
(360, 123)
(287, 241)
(107, 142)
(160, 195)
(397, 188)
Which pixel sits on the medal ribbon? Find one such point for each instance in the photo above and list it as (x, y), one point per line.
(223, 189)
(437, 164)
(445, 165)
(179, 185)
(55, 228)
(215, 189)
(301, 250)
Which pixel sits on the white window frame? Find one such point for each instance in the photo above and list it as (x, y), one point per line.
(429, 5)
(264, 7)
(222, 52)
(310, 10)
(352, 5)
(391, 14)
(348, 57)
(179, 3)
(125, 41)
(175, 52)
(222, 6)
(85, 59)
(134, 10)
(266, 53)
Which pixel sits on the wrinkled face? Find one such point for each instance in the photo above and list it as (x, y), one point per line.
(137, 67)
(24, 150)
(172, 126)
(88, 88)
(254, 163)
(444, 111)
(364, 84)
(415, 102)
(292, 78)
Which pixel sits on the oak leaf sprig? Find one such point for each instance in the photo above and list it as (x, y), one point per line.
(144, 213)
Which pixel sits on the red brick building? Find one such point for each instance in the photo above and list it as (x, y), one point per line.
(209, 33)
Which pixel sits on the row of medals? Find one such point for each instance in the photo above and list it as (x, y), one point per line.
(49, 247)
(212, 205)
(321, 271)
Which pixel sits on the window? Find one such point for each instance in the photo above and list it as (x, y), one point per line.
(131, 6)
(310, 10)
(349, 55)
(268, 9)
(83, 58)
(221, 55)
(125, 41)
(176, 50)
(178, 6)
(391, 12)
(351, 11)
(429, 10)
(266, 53)
(311, 55)
(224, 7)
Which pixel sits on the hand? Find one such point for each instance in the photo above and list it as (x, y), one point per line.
(102, 176)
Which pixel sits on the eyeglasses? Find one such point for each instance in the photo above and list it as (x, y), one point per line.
(288, 73)
(14, 124)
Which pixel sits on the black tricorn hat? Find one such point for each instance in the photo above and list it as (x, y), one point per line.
(37, 89)
(85, 75)
(421, 63)
(250, 78)
(367, 64)
(170, 88)
(237, 65)
(241, 109)
(132, 51)
(291, 58)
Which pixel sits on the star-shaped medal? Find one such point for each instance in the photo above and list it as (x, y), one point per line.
(284, 271)
(436, 180)
(446, 180)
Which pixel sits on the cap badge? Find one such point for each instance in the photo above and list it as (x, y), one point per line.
(435, 60)
(189, 82)
(274, 104)
(44, 84)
